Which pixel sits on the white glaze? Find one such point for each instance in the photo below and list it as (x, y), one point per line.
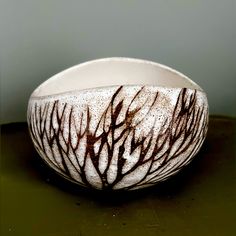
(157, 112)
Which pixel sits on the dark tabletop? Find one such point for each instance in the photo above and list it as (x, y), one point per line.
(200, 200)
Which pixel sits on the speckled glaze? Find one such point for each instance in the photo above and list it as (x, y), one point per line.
(124, 136)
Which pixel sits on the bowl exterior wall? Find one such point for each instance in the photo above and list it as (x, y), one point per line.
(119, 137)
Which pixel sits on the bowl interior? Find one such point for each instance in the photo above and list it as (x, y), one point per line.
(114, 71)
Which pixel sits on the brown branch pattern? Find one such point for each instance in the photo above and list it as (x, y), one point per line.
(99, 156)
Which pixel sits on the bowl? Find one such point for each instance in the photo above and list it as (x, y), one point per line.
(118, 123)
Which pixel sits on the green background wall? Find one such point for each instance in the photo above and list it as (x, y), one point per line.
(41, 38)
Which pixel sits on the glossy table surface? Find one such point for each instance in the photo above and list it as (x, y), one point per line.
(200, 200)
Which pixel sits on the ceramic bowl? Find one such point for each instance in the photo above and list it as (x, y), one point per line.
(118, 123)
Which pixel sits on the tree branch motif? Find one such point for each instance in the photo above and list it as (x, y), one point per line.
(68, 143)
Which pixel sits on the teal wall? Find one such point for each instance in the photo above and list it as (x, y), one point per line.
(41, 38)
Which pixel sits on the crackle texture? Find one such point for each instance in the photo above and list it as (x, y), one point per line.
(119, 137)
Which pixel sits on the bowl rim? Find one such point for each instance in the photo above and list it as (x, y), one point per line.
(76, 92)
(108, 59)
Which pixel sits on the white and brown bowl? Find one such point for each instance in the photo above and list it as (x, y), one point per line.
(118, 123)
